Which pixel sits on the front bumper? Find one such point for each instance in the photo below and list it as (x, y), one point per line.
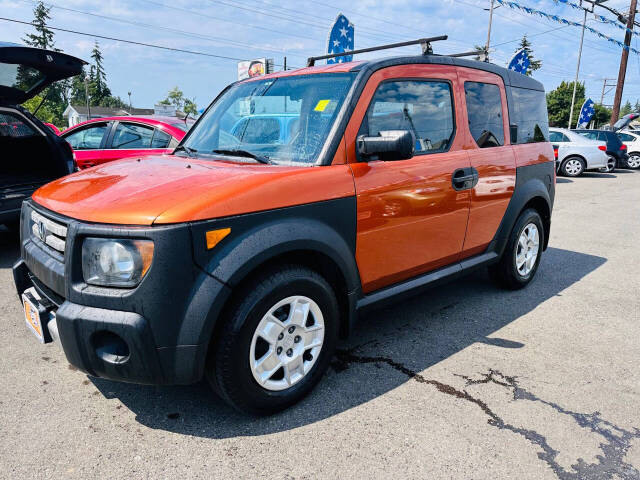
(156, 333)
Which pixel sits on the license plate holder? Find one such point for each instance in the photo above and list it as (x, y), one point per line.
(36, 316)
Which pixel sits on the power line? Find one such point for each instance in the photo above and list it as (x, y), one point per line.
(160, 27)
(133, 42)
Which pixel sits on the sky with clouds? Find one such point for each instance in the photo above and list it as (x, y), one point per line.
(247, 29)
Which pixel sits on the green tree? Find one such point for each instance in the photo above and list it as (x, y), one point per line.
(98, 89)
(602, 115)
(176, 98)
(636, 107)
(626, 109)
(56, 94)
(559, 104)
(43, 37)
(534, 64)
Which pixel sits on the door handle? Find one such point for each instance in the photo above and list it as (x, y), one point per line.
(464, 178)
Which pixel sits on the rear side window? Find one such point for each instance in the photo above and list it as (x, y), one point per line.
(160, 139)
(88, 138)
(530, 115)
(130, 135)
(257, 130)
(423, 107)
(558, 137)
(14, 127)
(626, 137)
(484, 108)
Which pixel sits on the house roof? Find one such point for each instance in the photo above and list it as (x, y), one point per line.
(107, 111)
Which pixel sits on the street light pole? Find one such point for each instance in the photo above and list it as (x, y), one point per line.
(130, 108)
(575, 82)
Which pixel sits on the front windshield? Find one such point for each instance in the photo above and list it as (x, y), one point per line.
(285, 120)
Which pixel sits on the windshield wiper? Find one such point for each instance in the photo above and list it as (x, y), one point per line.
(242, 153)
(188, 150)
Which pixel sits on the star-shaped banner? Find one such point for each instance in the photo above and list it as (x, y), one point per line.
(340, 39)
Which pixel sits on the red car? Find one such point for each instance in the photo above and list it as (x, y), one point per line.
(102, 140)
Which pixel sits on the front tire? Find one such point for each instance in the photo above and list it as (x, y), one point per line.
(276, 342)
(572, 167)
(521, 257)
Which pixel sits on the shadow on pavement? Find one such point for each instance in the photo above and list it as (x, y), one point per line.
(410, 336)
(563, 180)
(9, 247)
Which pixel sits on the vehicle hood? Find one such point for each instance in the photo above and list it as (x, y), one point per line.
(172, 189)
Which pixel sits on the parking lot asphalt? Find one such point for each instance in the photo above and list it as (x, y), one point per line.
(463, 381)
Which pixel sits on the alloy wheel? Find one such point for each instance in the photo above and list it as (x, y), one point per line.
(286, 343)
(634, 161)
(527, 249)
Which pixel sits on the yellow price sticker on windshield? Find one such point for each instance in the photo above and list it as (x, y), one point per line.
(321, 105)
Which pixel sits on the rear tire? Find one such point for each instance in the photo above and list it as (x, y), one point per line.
(611, 166)
(521, 257)
(572, 167)
(634, 161)
(276, 341)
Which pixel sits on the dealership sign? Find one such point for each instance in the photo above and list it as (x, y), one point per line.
(254, 68)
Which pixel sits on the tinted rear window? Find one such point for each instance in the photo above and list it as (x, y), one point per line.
(484, 109)
(530, 114)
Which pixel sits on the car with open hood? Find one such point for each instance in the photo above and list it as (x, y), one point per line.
(243, 256)
(32, 153)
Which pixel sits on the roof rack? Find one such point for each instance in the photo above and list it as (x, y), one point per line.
(425, 42)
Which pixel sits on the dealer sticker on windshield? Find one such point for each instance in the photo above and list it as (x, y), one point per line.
(321, 105)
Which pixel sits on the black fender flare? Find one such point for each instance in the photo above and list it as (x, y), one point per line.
(327, 228)
(533, 183)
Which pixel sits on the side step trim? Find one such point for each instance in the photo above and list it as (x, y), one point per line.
(427, 280)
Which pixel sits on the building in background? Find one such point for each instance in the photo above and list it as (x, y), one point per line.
(76, 114)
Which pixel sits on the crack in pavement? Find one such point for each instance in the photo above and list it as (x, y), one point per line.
(618, 439)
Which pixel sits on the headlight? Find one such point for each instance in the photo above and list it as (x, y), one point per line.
(115, 263)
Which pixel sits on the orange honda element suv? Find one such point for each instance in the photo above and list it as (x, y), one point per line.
(298, 200)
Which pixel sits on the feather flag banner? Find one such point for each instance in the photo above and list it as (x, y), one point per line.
(586, 113)
(520, 62)
(340, 39)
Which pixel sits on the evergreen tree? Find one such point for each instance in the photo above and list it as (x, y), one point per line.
(533, 63)
(98, 89)
(559, 104)
(602, 115)
(43, 38)
(626, 109)
(636, 107)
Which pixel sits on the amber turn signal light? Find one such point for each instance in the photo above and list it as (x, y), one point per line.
(214, 237)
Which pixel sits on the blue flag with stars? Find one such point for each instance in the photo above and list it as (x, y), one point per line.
(520, 62)
(340, 39)
(586, 113)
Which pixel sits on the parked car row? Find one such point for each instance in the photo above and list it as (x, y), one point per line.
(579, 150)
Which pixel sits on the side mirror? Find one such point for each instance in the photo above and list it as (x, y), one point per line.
(513, 133)
(389, 145)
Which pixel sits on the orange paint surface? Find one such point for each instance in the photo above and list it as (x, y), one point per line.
(410, 219)
(171, 189)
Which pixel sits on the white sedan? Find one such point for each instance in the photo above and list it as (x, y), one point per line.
(632, 141)
(576, 154)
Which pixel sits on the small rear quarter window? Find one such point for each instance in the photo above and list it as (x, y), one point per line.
(530, 115)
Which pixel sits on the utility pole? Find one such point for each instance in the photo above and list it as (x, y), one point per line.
(130, 108)
(575, 82)
(605, 82)
(488, 44)
(615, 113)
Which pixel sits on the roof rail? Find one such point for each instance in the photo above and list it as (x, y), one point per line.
(425, 42)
